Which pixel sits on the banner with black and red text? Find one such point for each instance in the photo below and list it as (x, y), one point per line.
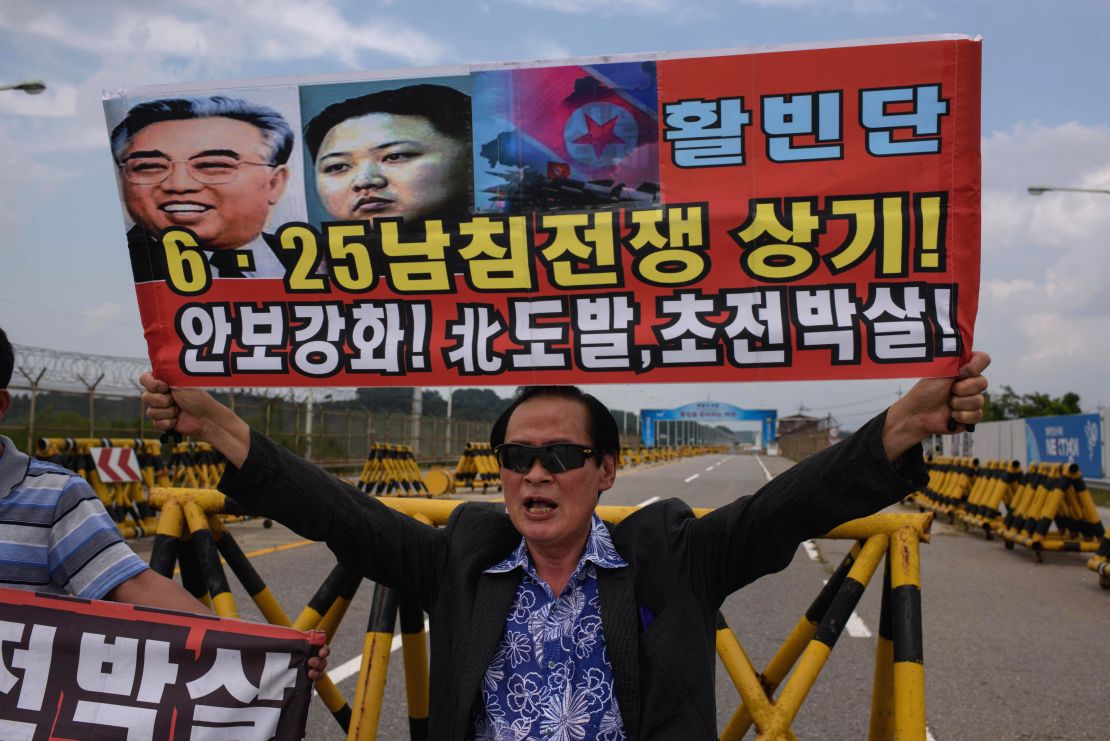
(85, 669)
(783, 213)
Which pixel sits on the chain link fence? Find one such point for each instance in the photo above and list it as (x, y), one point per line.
(68, 395)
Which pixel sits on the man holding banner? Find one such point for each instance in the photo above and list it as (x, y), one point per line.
(544, 619)
(790, 214)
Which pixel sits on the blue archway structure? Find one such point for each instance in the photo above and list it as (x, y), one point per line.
(706, 411)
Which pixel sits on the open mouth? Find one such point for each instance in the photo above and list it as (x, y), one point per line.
(184, 208)
(539, 505)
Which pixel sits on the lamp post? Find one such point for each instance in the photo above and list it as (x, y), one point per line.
(31, 87)
(447, 428)
(1036, 190)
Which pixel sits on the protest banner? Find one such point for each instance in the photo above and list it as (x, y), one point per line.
(83, 669)
(778, 213)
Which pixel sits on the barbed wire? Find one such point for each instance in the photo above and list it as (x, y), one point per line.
(57, 370)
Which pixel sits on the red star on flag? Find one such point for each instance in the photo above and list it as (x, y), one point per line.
(600, 135)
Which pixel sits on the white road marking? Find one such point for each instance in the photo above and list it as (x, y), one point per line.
(765, 471)
(691, 478)
(351, 667)
(855, 626)
(811, 550)
(710, 469)
(928, 735)
(646, 502)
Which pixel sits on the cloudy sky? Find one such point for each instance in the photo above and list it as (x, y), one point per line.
(65, 282)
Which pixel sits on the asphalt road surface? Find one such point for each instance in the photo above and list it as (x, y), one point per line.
(1013, 649)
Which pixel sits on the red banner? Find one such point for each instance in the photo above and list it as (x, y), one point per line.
(787, 214)
(82, 670)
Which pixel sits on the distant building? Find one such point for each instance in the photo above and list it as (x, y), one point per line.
(799, 423)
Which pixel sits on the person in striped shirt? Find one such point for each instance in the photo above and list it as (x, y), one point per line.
(56, 537)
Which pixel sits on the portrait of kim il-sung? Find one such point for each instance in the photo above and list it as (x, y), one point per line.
(218, 165)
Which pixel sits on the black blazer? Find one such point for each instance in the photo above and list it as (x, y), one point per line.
(148, 258)
(681, 568)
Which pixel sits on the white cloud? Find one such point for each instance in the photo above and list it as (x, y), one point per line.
(214, 32)
(548, 49)
(854, 6)
(101, 314)
(999, 290)
(1046, 264)
(22, 177)
(613, 7)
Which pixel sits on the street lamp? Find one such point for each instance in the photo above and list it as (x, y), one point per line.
(31, 87)
(1036, 190)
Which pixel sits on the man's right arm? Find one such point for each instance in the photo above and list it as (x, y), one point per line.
(268, 480)
(154, 590)
(195, 413)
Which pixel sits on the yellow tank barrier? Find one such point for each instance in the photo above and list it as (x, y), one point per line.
(125, 502)
(438, 482)
(477, 466)
(897, 707)
(192, 514)
(996, 487)
(391, 469)
(898, 695)
(1047, 508)
(783, 660)
(950, 484)
(1053, 511)
(1100, 562)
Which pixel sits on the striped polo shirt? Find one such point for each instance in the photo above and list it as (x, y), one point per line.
(55, 536)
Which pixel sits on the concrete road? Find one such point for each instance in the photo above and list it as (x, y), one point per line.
(1013, 649)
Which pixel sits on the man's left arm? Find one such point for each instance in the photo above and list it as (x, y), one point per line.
(875, 467)
(151, 589)
(936, 406)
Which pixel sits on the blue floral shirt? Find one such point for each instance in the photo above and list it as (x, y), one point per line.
(551, 677)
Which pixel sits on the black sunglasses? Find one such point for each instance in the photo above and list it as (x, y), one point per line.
(555, 458)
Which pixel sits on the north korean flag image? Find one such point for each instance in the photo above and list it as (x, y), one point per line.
(569, 137)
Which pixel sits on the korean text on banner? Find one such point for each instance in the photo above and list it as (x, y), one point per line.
(72, 668)
(787, 214)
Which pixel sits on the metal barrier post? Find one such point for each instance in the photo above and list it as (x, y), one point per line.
(375, 664)
(216, 579)
(787, 654)
(908, 651)
(817, 652)
(882, 685)
(414, 647)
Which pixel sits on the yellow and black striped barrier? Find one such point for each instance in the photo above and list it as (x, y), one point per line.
(194, 465)
(477, 467)
(126, 501)
(950, 483)
(1100, 562)
(660, 454)
(898, 696)
(1054, 511)
(898, 692)
(1046, 508)
(392, 470)
(994, 489)
(193, 515)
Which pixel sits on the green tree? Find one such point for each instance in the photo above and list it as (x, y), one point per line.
(1008, 404)
(398, 400)
(479, 405)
